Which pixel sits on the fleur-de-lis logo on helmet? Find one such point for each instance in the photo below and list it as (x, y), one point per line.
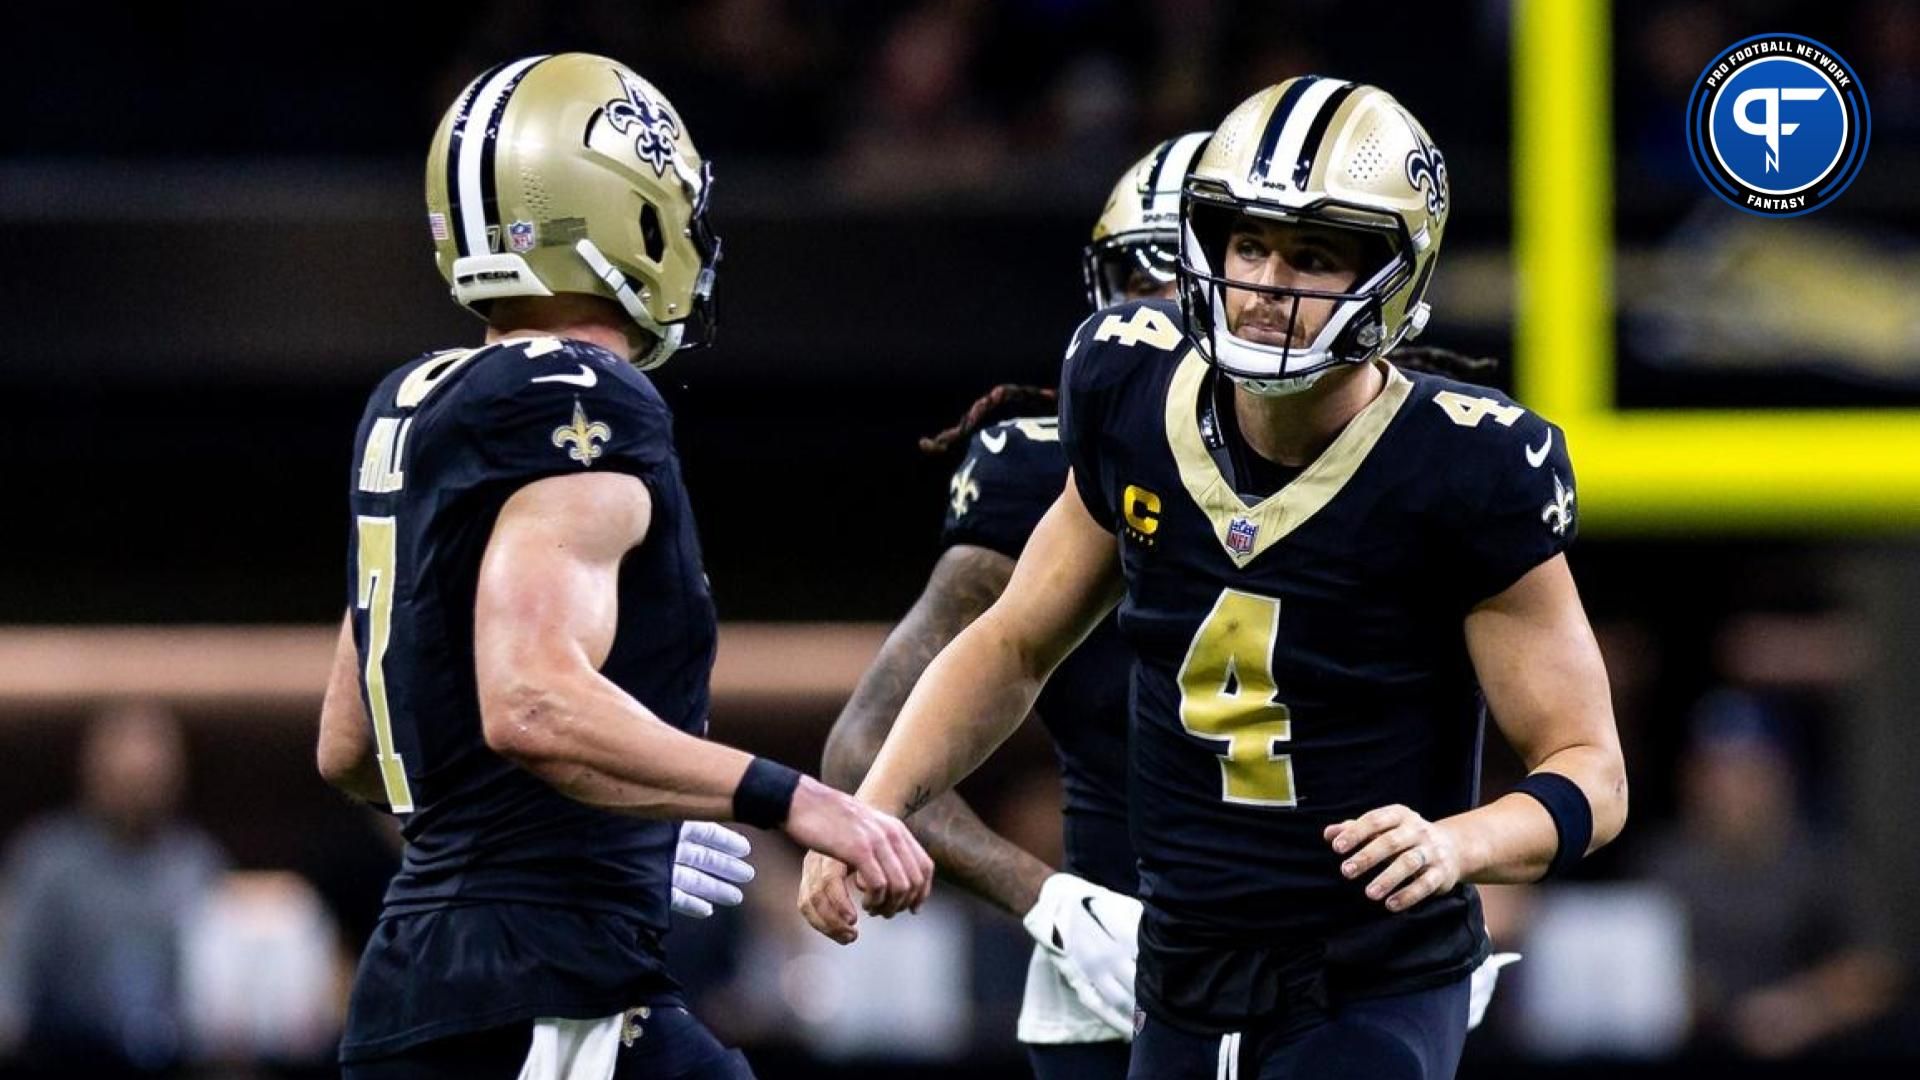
(577, 438)
(1427, 170)
(652, 127)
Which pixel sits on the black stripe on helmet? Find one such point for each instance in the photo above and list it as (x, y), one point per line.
(1152, 186)
(1311, 145)
(1270, 138)
(489, 182)
(454, 138)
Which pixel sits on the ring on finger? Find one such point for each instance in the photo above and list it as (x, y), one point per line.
(1419, 858)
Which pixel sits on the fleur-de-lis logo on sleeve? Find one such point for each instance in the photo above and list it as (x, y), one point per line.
(577, 438)
(1558, 514)
(963, 489)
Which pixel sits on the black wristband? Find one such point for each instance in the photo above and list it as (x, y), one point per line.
(1572, 816)
(765, 794)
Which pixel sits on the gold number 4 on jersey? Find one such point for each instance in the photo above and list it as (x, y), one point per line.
(1227, 694)
(1469, 411)
(1147, 324)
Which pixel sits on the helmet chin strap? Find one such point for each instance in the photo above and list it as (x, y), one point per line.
(1279, 387)
(666, 339)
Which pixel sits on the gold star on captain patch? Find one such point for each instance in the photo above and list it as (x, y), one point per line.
(577, 438)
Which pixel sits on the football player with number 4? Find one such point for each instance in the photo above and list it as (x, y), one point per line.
(522, 674)
(1078, 1008)
(1329, 571)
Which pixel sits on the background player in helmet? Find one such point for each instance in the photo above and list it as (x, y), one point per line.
(523, 668)
(1322, 564)
(1078, 1008)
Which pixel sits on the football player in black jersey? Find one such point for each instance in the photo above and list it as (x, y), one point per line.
(1078, 1009)
(1328, 572)
(523, 671)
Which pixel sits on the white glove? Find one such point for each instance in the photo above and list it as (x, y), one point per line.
(708, 867)
(1480, 989)
(1092, 936)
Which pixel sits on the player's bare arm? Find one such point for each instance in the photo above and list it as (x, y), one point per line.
(346, 752)
(1546, 686)
(979, 689)
(544, 620)
(965, 581)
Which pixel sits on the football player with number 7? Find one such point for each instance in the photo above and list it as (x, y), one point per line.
(1329, 571)
(522, 673)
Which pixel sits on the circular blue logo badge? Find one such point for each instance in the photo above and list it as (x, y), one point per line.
(1778, 125)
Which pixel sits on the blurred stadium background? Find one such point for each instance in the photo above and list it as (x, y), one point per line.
(215, 245)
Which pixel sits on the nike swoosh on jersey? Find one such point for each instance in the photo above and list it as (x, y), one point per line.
(586, 379)
(1537, 458)
(994, 441)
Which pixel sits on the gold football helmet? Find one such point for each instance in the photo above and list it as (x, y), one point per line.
(1139, 231)
(572, 174)
(1331, 153)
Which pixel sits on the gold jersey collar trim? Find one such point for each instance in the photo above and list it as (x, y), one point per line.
(1246, 531)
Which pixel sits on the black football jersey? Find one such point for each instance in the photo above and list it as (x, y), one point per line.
(1300, 660)
(444, 441)
(1013, 472)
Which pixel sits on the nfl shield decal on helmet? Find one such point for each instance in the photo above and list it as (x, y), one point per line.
(520, 236)
(1240, 534)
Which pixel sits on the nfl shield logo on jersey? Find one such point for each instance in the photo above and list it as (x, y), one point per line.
(1240, 534)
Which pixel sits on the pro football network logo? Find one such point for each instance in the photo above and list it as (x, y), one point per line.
(1778, 125)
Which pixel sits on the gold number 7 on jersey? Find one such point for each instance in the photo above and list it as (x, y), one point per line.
(378, 560)
(1227, 694)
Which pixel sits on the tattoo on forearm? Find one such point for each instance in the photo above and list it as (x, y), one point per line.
(966, 583)
(976, 858)
(921, 796)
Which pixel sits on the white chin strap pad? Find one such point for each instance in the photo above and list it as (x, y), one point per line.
(1280, 387)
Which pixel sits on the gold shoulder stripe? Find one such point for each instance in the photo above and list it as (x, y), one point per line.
(1274, 517)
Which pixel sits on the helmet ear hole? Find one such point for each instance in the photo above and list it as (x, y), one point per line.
(650, 233)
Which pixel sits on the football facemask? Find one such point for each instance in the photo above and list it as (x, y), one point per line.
(1326, 326)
